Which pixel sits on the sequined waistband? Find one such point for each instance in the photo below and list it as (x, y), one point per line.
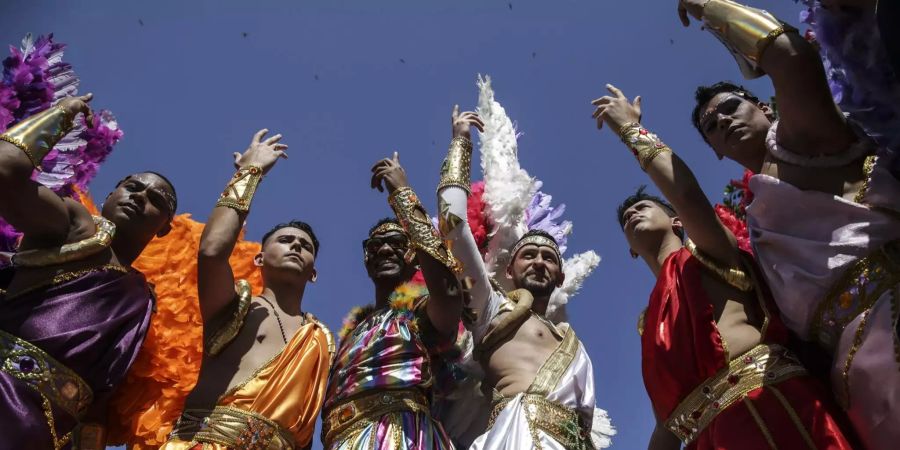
(344, 416)
(52, 379)
(855, 292)
(233, 428)
(561, 423)
(763, 365)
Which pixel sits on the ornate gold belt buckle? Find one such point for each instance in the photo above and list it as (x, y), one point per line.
(346, 413)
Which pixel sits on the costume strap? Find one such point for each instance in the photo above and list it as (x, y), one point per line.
(734, 276)
(422, 235)
(232, 428)
(516, 309)
(224, 335)
(238, 194)
(101, 240)
(551, 372)
(762, 365)
(745, 31)
(457, 166)
(36, 135)
(644, 145)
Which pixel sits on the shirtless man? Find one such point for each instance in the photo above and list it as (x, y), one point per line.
(529, 361)
(712, 343)
(265, 362)
(73, 313)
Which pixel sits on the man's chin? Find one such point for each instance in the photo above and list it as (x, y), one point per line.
(538, 288)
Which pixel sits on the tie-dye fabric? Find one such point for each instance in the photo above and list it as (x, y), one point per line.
(391, 349)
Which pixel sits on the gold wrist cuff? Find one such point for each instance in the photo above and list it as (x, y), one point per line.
(457, 167)
(745, 31)
(422, 235)
(644, 145)
(239, 192)
(36, 135)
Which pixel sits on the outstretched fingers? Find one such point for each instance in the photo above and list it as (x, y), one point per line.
(259, 135)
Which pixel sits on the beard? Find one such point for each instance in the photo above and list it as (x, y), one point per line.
(538, 288)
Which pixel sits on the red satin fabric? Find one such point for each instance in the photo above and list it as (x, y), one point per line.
(681, 348)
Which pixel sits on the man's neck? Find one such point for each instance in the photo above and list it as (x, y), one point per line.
(540, 304)
(383, 291)
(655, 260)
(288, 297)
(126, 250)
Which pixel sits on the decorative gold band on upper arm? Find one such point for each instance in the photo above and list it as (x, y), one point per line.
(422, 235)
(745, 31)
(224, 335)
(43, 257)
(735, 277)
(457, 167)
(644, 145)
(239, 192)
(36, 135)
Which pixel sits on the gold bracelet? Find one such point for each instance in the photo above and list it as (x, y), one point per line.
(36, 135)
(239, 192)
(422, 235)
(735, 277)
(457, 166)
(644, 145)
(745, 31)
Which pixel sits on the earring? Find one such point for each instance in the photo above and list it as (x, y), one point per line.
(633, 254)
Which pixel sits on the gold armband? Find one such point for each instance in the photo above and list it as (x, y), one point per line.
(457, 167)
(644, 145)
(745, 31)
(239, 192)
(43, 257)
(422, 235)
(36, 135)
(735, 277)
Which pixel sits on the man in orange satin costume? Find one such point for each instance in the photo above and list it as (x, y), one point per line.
(265, 362)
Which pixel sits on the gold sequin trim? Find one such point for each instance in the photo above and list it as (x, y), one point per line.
(868, 165)
(65, 277)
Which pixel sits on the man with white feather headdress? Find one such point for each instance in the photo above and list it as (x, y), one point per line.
(537, 377)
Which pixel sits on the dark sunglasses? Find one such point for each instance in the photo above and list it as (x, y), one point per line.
(397, 242)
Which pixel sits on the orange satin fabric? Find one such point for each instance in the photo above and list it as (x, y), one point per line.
(289, 390)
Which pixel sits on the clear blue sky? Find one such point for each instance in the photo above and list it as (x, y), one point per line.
(348, 82)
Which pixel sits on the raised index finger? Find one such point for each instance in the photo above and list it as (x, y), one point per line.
(259, 135)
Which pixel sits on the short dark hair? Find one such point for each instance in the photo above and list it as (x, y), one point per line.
(640, 196)
(704, 94)
(298, 224)
(382, 222)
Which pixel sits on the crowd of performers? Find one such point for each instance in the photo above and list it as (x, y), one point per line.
(774, 325)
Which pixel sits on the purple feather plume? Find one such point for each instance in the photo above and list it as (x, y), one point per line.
(541, 215)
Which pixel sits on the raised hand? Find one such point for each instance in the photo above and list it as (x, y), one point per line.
(692, 8)
(261, 153)
(616, 110)
(391, 173)
(75, 105)
(462, 123)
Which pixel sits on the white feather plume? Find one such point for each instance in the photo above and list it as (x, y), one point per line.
(577, 269)
(508, 188)
(602, 429)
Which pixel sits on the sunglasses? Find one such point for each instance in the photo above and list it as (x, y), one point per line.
(397, 242)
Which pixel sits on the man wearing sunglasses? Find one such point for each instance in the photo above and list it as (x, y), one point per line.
(73, 313)
(392, 362)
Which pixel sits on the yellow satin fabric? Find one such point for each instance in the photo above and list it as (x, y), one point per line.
(289, 390)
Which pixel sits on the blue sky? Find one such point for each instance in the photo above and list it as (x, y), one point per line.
(349, 82)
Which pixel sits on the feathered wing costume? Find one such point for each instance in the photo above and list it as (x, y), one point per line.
(142, 411)
(500, 210)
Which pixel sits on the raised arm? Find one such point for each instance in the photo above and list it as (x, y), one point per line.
(810, 122)
(438, 265)
(670, 174)
(215, 280)
(453, 192)
(27, 205)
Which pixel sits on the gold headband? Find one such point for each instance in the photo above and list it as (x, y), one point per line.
(540, 241)
(387, 227)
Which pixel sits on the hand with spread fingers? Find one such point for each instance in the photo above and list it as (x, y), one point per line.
(75, 105)
(261, 153)
(391, 173)
(463, 122)
(688, 8)
(616, 110)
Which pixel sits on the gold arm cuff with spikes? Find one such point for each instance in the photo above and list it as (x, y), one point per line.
(457, 167)
(36, 135)
(239, 192)
(422, 235)
(644, 145)
(745, 31)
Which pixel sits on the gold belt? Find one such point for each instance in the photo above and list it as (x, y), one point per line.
(340, 419)
(561, 423)
(765, 364)
(233, 428)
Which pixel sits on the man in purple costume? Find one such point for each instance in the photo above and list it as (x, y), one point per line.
(73, 313)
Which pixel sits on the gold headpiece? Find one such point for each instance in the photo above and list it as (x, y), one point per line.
(387, 227)
(540, 241)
